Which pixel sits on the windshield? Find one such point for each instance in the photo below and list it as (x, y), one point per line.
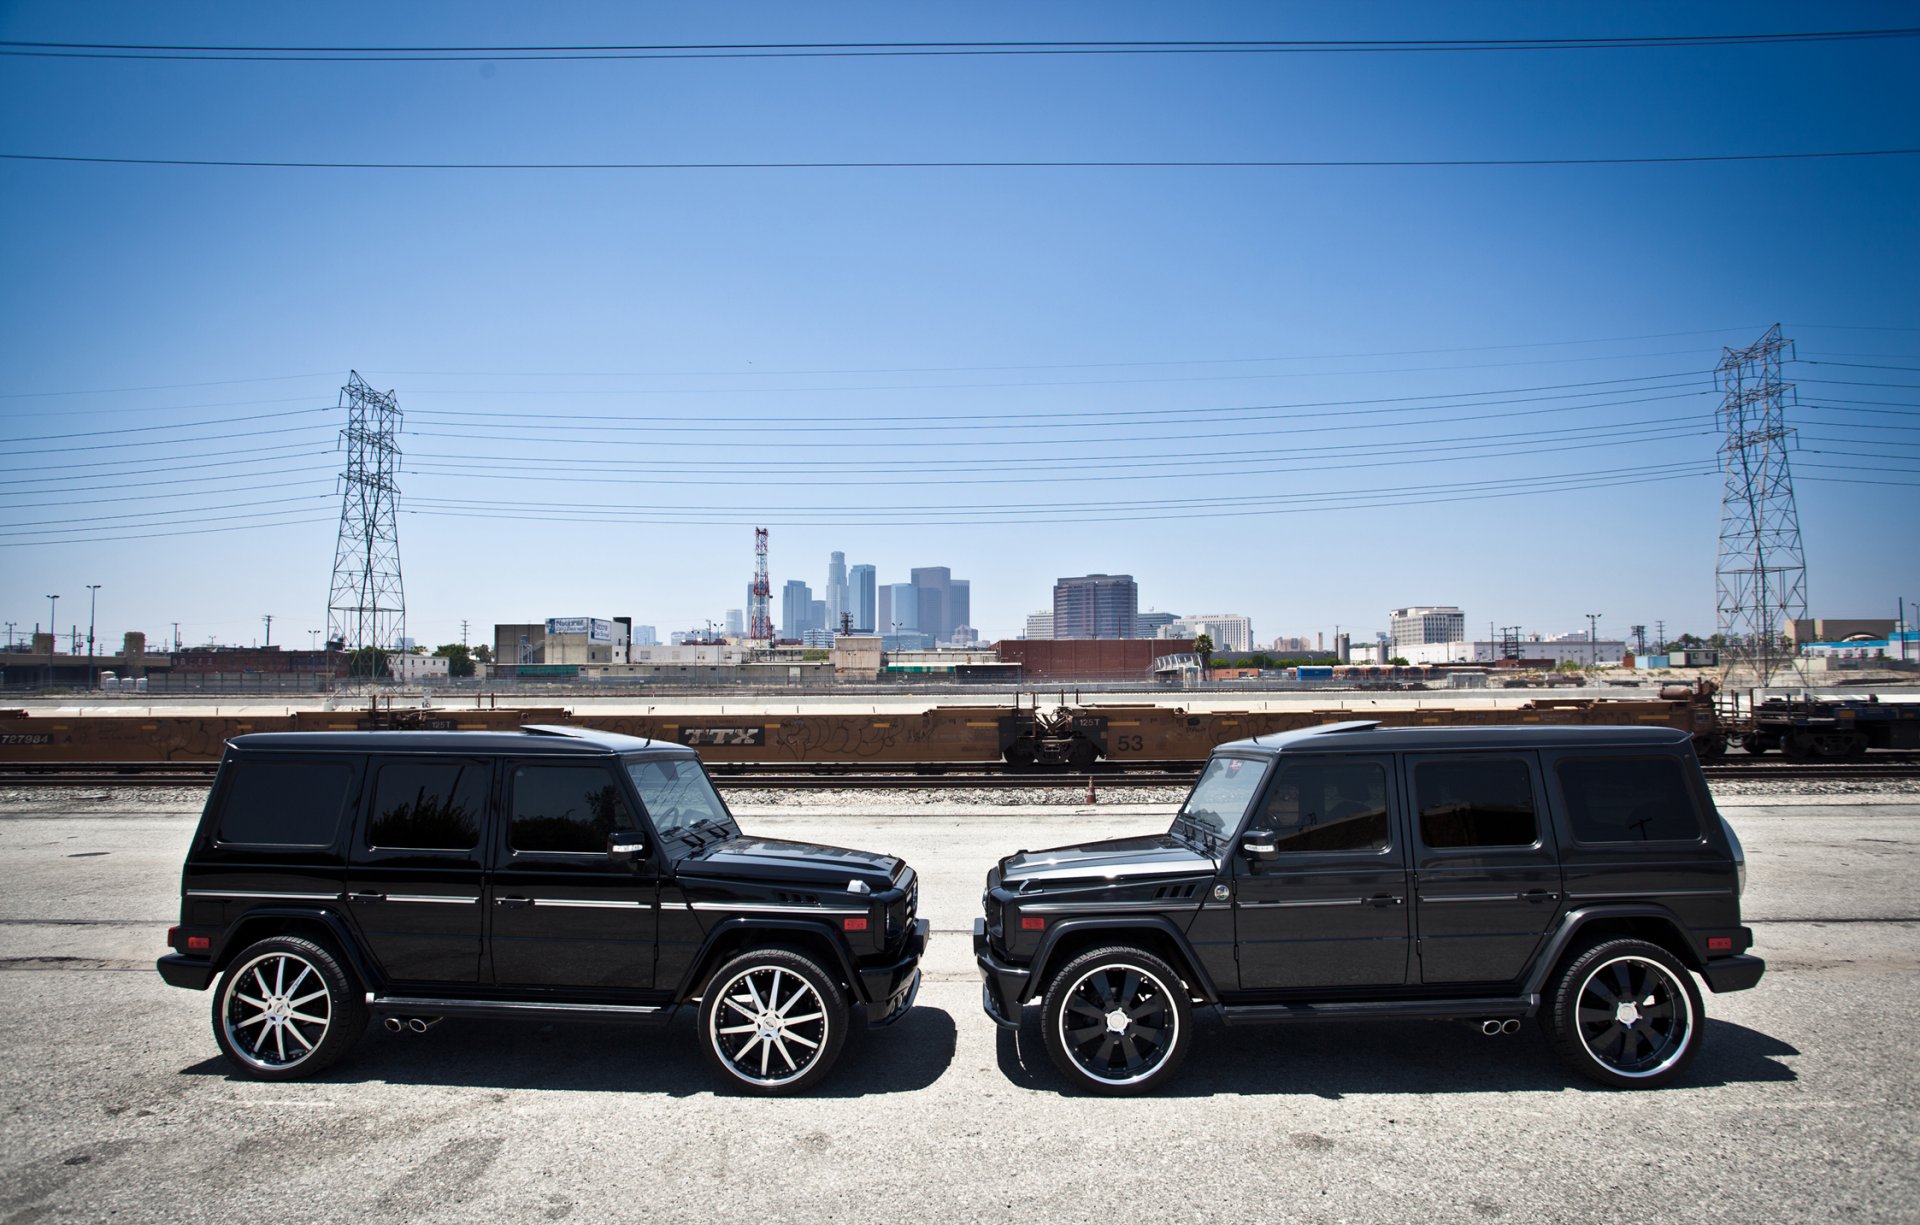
(1220, 798)
(680, 799)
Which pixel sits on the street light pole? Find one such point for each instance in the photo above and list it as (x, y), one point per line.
(53, 602)
(1593, 639)
(93, 592)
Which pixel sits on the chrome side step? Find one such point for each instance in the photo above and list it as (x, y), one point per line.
(412, 1006)
(1382, 1010)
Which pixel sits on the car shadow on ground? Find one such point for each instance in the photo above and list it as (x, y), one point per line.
(1333, 1061)
(586, 1057)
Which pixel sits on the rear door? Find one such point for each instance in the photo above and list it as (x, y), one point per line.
(565, 916)
(1328, 908)
(1486, 870)
(414, 869)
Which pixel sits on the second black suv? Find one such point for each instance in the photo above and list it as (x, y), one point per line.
(1576, 874)
(554, 873)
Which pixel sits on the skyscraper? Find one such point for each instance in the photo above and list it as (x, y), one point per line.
(1095, 606)
(836, 592)
(933, 589)
(905, 611)
(861, 601)
(959, 604)
(796, 608)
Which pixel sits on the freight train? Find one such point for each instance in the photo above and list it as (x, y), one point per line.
(1075, 738)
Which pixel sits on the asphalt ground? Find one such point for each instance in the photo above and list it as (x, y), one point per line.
(115, 1105)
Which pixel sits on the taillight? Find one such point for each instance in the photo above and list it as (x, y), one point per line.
(199, 944)
(1719, 944)
(173, 937)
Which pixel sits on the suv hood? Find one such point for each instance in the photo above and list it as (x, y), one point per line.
(1117, 859)
(805, 863)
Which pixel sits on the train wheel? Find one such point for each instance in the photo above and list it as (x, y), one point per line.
(1081, 755)
(1020, 753)
(1710, 747)
(1797, 746)
(1755, 744)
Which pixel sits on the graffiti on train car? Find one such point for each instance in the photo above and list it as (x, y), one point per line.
(733, 736)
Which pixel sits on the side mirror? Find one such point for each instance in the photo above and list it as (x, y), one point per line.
(1259, 844)
(626, 845)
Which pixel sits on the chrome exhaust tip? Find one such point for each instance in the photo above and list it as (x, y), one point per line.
(1490, 1028)
(395, 1025)
(421, 1025)
(1510, 1026)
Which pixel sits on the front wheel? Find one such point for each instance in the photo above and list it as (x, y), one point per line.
(286, 1009)
(1117, 1021)
(773, 1021)
(1626, 1013)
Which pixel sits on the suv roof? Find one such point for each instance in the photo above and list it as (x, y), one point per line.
(1368, 735)
(533, 738)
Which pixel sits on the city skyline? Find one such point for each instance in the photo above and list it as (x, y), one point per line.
(1298, 337)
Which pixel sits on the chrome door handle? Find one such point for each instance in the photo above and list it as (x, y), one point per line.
(366, 899)
(514, 903)
(1381, 900)
(1538, 895)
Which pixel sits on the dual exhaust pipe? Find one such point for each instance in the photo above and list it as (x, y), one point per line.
(1494, 1027)
(418, 1025)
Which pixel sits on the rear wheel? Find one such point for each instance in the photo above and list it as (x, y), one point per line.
(286, 1009)
(1627, 1014)
(773, 1021)
(1117, 1021)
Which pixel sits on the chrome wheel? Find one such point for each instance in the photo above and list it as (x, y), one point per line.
(770, 1025)
(1118, 1022)
(1634, 1017)
(275, 1010)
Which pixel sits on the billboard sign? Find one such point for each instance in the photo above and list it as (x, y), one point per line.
(595, 629)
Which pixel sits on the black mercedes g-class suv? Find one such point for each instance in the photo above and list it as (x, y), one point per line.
(1576, 874)
(554, 873)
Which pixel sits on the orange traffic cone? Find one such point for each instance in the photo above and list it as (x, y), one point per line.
(1090, 796)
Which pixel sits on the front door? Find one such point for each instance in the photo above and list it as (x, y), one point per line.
(1328, 907)
(565, 915)
(414, 870)
(1487, 874)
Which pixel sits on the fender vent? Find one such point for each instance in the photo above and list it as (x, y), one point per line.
(1175, 893)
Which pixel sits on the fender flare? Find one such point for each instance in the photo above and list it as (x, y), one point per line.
(1575, 920)
(705, 961)
(1190, 964)
(343, 939)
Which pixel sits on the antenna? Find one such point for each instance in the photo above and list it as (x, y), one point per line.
(760, 612)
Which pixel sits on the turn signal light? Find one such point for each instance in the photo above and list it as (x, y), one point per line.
(1032, 923)
(1719, 944)
(853, 925)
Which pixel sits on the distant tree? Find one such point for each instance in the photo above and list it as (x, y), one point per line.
(1687, 641)
(367, 662)
(459, 659)
(483, 653)
(1203, 647)
(1399, 661)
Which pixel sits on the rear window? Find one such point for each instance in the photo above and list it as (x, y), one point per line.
(1628, 799)
(428, 805)
(283, 803)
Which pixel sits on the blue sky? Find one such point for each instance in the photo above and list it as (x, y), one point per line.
(611, 377)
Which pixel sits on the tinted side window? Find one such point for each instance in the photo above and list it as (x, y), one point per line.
(1475, 803)
(1328, 806)
(283, 803)
(566, 808)
(427, 805)
(1628, 799)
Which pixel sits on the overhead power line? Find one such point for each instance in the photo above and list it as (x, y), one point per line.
(1011, 164)
(996, 47)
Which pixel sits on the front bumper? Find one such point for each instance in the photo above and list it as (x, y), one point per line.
(179, 970)
(1004, 991)
(1740, 973)
(891, 989)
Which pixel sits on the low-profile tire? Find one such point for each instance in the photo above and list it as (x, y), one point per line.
(286, 1008)
(773, 1021)
(1627, 1014)
(1117, 1021)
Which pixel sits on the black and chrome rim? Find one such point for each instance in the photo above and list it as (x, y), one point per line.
(769, 1025)
(276, 1010)
(1118, 1023)
(1635, 1017)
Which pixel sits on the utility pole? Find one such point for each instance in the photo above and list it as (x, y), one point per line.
(463, 631)
(268, 618)
(366, 605)
(53, 602)
(176, 635)
(1593, 639)
(313, 640)
(1660, 637)
(10, 626)
(93, 591)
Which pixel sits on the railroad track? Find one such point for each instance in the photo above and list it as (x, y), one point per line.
(933, 776)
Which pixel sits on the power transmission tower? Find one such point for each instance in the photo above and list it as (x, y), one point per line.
(760, 595)
(1761, 578)
(367, 609)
